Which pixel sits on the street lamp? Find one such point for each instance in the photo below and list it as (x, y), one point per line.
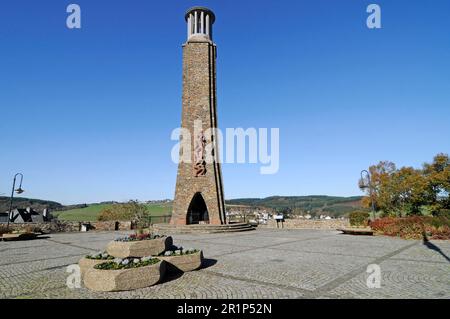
(363, 186)
(18, 191)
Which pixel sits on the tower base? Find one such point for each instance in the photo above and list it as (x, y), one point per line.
(164, 229)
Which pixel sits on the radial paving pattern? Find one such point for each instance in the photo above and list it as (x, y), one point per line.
(258, 264)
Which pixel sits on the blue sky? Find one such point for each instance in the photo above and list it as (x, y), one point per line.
(86, 115)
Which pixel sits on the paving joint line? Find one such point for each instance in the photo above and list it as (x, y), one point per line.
(43, 259)
(36, 271)
(71, 245)
(254, 281)
(325, 289)
(273, 245)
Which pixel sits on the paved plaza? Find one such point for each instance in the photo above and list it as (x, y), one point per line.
(259, 264)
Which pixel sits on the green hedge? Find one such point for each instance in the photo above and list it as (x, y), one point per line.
(359, 218)
(443, 213)
(416, 227)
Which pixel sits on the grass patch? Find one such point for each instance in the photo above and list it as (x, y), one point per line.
(90, 213)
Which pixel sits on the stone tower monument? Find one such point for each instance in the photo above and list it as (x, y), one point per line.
(199, 195)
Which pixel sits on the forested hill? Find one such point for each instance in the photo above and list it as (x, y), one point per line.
(333, 205)
(316, 204)
(21, 202)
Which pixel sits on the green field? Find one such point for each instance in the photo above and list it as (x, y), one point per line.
(90, 213)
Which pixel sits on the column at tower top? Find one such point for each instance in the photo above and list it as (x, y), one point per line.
(199, 24)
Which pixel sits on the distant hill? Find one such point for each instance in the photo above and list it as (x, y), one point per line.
(314, 204)
(36, 204)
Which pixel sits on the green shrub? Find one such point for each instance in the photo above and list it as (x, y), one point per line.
(32, 229)
(131, 211)
(3, 230)
(359, 218)
(437, 221)
(443, 213)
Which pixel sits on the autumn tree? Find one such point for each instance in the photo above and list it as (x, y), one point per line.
(406, 190)
(409, 191)
(437, 175)
(378, 187)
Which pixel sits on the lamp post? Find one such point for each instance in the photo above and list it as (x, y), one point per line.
(363, 186)
(18, 191)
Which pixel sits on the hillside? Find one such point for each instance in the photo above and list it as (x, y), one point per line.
(36, 204)
(91, 212)
(315, 204)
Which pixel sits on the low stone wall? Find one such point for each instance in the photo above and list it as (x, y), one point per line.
(49, 227)
(111, 225)
(308, 224)
(57, 226)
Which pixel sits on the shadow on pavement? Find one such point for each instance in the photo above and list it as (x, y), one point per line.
(432, 246)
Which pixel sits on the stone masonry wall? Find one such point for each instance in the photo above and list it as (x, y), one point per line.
(308, 224)
(71, 226)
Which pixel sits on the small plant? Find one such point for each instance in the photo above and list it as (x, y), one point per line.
(443, 213)
(32, 229)
(127, 263)
(138, 237)
(179, 251)
(359, 218)
(100, 256)
(4, 230)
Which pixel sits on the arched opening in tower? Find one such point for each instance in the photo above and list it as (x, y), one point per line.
(197, 211)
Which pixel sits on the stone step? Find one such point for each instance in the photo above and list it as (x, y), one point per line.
(207, 229)
(188, 229)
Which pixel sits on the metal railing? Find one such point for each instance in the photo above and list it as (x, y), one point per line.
(163, 219)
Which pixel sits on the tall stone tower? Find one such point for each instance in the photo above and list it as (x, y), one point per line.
(199, 190)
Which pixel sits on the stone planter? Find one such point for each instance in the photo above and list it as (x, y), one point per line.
(86, 263)
(141, 248)
(124, 279)
(183, 263)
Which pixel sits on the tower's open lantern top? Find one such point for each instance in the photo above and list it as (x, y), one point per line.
(199, 23)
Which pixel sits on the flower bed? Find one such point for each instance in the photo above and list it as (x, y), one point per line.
(125, 274)
(135, 246)
(127, 263)
(103, 255)
(92, 260)
(138, 237)
(180, 260)
(416, 227)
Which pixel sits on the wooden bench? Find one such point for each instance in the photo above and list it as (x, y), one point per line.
(357, 231)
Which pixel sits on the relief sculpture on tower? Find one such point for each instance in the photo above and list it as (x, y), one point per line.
(199, 155)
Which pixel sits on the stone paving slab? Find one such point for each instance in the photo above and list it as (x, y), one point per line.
(261, 264)
(401, 279)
